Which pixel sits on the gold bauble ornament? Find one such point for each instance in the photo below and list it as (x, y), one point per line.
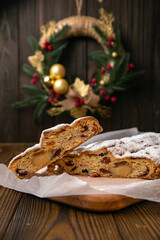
(48, 80)
(61, 86)
(114, 54)
(102, 83)
(57, 71)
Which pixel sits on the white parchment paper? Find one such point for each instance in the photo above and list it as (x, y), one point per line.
(64, 185)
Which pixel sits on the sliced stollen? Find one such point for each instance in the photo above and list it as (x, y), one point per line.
(54, 144)
(130, 157)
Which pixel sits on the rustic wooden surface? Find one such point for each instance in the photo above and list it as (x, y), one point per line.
(23, 216)
(139, 23)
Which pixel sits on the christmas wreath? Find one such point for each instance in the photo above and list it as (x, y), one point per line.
(58, 92)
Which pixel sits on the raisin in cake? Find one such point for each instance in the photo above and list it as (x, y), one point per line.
(131, 157)
(54, 144)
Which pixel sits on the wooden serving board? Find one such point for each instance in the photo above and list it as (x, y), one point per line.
(100, 203)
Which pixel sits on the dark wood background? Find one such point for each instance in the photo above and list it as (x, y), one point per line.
(139, 23)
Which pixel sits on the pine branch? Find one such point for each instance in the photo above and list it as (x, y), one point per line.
(33, 42)
(119, 68)
(117, 88)
(25, 103)
(39, 109)
(30, 70)
(124, 82)
(33, 90)
(58, 36)
(54, 56)
(131, 76)
(57, 49)
(100, 33)
(98, 76)
(118, 42)
(41, 100)
(99, 57)
(45, 67)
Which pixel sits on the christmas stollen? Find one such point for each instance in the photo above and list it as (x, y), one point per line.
(130, 157)
(54, 144)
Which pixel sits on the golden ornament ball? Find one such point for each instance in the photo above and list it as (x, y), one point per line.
(114, 54)
(48, 80)
(57, 71)
(61, 86)
(102, 83)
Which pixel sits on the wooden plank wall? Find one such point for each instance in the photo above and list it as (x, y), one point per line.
(139, 23)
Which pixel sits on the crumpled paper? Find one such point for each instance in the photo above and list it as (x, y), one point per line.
(65, 185)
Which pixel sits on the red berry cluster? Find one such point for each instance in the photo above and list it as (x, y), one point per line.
(35, 76)
(111, 39)
(102, 70)
(107, 96)
(46, 46)
(93, 82)
(55, 96)
(78, 101)
(130, 66)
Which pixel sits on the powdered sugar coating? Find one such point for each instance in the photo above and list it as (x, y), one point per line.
(146, 145)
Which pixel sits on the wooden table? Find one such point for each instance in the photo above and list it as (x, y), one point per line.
(23, 216)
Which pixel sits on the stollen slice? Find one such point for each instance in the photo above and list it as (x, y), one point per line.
(131, 157)
(54, 144)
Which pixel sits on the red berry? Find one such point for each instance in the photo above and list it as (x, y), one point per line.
(49, 47)
(131, 65)
(102, 92)
(81, 101)
(44, 47)
(76, 104)
(94, 80)
(58, 95)
(76, 99)
(113, 99)
(50, 99)
(109, 67)
(35, 75)
(111, 38)
(51, 91)
(45, 42)
(107, 97)
(108, 44)
(128, 68)
(102, 71)
(55, 99)
(33, 81)
(92, 85)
